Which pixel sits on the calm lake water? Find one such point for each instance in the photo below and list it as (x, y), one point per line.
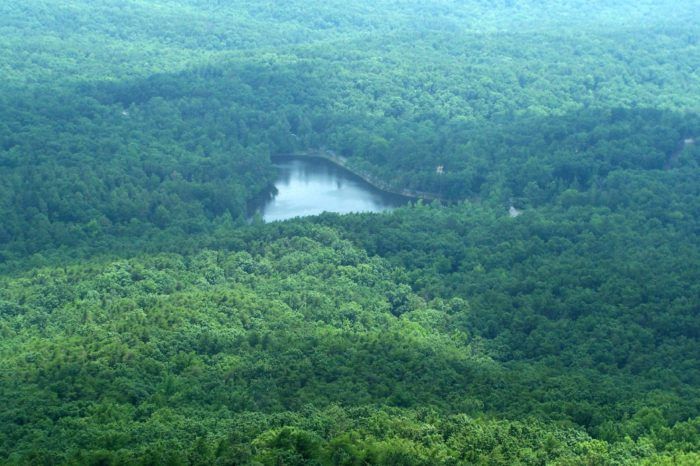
(310, 186)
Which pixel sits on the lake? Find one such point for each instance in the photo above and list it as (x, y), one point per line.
(310, 186)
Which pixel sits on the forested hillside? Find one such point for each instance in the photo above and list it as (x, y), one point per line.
(148, 317)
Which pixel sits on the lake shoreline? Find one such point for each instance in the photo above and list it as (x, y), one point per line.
(368, 178)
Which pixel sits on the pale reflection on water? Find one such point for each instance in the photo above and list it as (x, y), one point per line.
(312, 186)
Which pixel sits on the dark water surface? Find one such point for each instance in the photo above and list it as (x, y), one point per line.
(310, 186)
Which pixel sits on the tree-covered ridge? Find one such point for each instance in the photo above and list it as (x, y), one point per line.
(195, 354)
(300, 303)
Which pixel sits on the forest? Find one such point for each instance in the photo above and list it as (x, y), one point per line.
(148, 315)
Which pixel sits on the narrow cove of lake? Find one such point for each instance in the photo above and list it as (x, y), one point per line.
(310, 186)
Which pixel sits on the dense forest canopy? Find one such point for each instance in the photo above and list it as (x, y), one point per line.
(147, 318)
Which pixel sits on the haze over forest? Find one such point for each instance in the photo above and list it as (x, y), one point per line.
(535, 300)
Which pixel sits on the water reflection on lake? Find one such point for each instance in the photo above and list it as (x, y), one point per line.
(310, 186)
